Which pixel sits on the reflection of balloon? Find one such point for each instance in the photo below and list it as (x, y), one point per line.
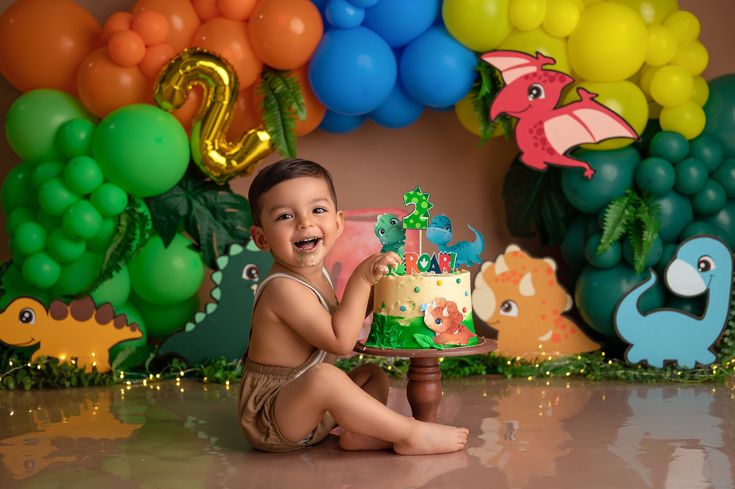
(182, 19)
(340, 123)
(352, 71)
(285, 33)
(398, 110)
(216, 156)
(468, 21)
(401, 21)
(161, 321)
(42, 43)
(538, 40)
(720, 111)
(687, 119)
(437, 70)
(609, 43)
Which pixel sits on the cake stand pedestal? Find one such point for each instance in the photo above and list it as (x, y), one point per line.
(424, 388)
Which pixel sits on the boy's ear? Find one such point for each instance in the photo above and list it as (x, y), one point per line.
(340, 223)
(258, 236)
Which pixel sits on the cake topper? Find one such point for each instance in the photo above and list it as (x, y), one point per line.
(468, 252)
(419, 218)
(389, 230)
(545, 132)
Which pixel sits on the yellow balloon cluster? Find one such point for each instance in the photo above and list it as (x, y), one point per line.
(642, 57)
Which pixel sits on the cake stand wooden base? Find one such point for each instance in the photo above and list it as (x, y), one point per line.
(424, 388)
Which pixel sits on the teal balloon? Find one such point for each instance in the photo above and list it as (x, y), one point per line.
(655, 175)
(692, 305)
(597, 293)
(724, 220)
(63, 248)
(18, 216)
(669, 145)
(55, 197)
(34, 119)
(166, 276)
(77, 277)
(720, 112)
(573, 244)
(698, 228)
(82, 175)
(46, 171)
(674, 212)
(103, 239)
(725, 176)
(691, 175)
(17, 190)
(161, 321)
(667, 253)
(614, 173)
(710, 199)
(41, 270)
(708, 149)
(142, 149)
(109, 199)
(75, 137)
(82, 220)
(607, 259)
(652, 257)
(114, 290)
(29, 238)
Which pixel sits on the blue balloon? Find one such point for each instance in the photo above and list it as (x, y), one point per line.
(352, 71)
(436, 69)
(364, 3)
(398, 110)
(340, 123)
(401, 21)
(343, 14)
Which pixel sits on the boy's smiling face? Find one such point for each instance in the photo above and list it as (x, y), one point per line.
(299, 222)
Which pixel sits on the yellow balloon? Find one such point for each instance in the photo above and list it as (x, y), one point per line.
(527, 15)
(684, 25)
(691, 55)
(481, 25)
(688, 119)
(645, 80)
(609, 43)
(671, 86)
(652, 11)
(622, 97)
(661, 45)
(537, 40)
(562, 17)
(217, 157)
(700, 91)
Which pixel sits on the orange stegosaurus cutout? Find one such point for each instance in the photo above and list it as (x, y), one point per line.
(520, 297)
(78, 330)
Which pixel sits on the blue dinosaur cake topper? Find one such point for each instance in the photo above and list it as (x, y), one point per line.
(701, 265)
(468, 252)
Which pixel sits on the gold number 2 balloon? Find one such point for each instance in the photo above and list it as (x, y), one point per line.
(216, 156)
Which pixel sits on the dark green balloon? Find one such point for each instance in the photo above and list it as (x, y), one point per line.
(607, 259)
(698, 228)
(724, 220)
(572, 246)
(655, 175)
(692, 305)
(17, 190)
(669, 145)
(667, 253)
(710, 199)
(75, 137)
(675, 212)
(691, 174)
(77, 277)
(15, 286)
(708, 149)
(46, 171)
(725, 176)
(51, 223)
(720, 112)
(653, 256)
(18, 217)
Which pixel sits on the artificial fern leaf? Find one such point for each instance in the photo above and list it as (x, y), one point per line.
(282, 102)
(483, 93)
(618, 216)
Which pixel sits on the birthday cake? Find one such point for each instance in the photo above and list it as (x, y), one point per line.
(427, 301)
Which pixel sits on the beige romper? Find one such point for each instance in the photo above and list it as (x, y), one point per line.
(261, 383)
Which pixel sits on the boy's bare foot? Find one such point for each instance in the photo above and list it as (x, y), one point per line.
(427, 438)
(353, 441)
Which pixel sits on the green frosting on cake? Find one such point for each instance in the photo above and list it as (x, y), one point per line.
(394, 332)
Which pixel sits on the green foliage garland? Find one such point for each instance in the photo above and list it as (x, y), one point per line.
(282, 103)
(483, 93)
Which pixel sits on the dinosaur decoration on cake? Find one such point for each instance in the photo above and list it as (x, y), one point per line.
(544, 131)
(701, 265)
(79, 330)
(390, 232)
(468, 252)
(443, 317)
(223, 328)
(519, 296)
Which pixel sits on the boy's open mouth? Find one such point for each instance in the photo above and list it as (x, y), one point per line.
(308, 244)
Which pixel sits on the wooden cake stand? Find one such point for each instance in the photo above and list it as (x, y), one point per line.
(424, 388)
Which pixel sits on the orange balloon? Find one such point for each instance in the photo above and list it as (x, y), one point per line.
(104, 86)
(315, 110)
(182, 19)
(236, 9)
(119, 21)
(206, 9)
(285, 33)
(247, 113)
(185, 114)
(151, 26)
(154, 59)
(126, 48)
(229, 39)
(43, 42)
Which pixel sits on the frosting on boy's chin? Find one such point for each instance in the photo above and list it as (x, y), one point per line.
(309, 251)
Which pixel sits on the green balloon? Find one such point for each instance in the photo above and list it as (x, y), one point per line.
(720, 112)
(166, 276)
(17, 190)
(573, 244)
(63, 248)
(114, 290)
(608, 258)
(103, 239)
(109, 199)
(75, 137)
(667, 253)
(653, 256)
(669, 145)
(51, 223)
(18, 216)
(55, 197)
(724, 220)
(691, 175)
(140, 345)
(82, 175)
(29, 238)
(674, 213)
(15, 286)
(34, 119)
(45, 171)
(82, 220)
(41, 270)
(78, 276)
(615, 171)
(161, 321)
(725, 176)
(142, 149)
(710, 199)
(708, 149)
(655, 175)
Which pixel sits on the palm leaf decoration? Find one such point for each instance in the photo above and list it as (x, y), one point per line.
(282, 103)
(483, 93)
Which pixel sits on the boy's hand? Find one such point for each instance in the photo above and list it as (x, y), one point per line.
(376, 266)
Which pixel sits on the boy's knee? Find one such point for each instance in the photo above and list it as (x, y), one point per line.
(323, 374)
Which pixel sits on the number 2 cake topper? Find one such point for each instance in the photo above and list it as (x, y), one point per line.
(419, 218)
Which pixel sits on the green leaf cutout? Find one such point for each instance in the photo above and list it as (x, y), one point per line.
(282, 103)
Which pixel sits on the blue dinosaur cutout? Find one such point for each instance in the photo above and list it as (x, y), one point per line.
(701, 265)
(468, 253)
(223, 328)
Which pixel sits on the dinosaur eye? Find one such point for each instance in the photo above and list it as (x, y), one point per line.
(509, 308)
(446, 227)
(393, 222)
(381, 232)
(251, 272)
(705, 264)
(536, 91)
(27, 316)
(438, 322)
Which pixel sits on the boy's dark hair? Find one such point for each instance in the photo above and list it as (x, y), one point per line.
(282, 171)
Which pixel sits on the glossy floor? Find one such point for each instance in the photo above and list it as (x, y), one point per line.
(524, 434)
